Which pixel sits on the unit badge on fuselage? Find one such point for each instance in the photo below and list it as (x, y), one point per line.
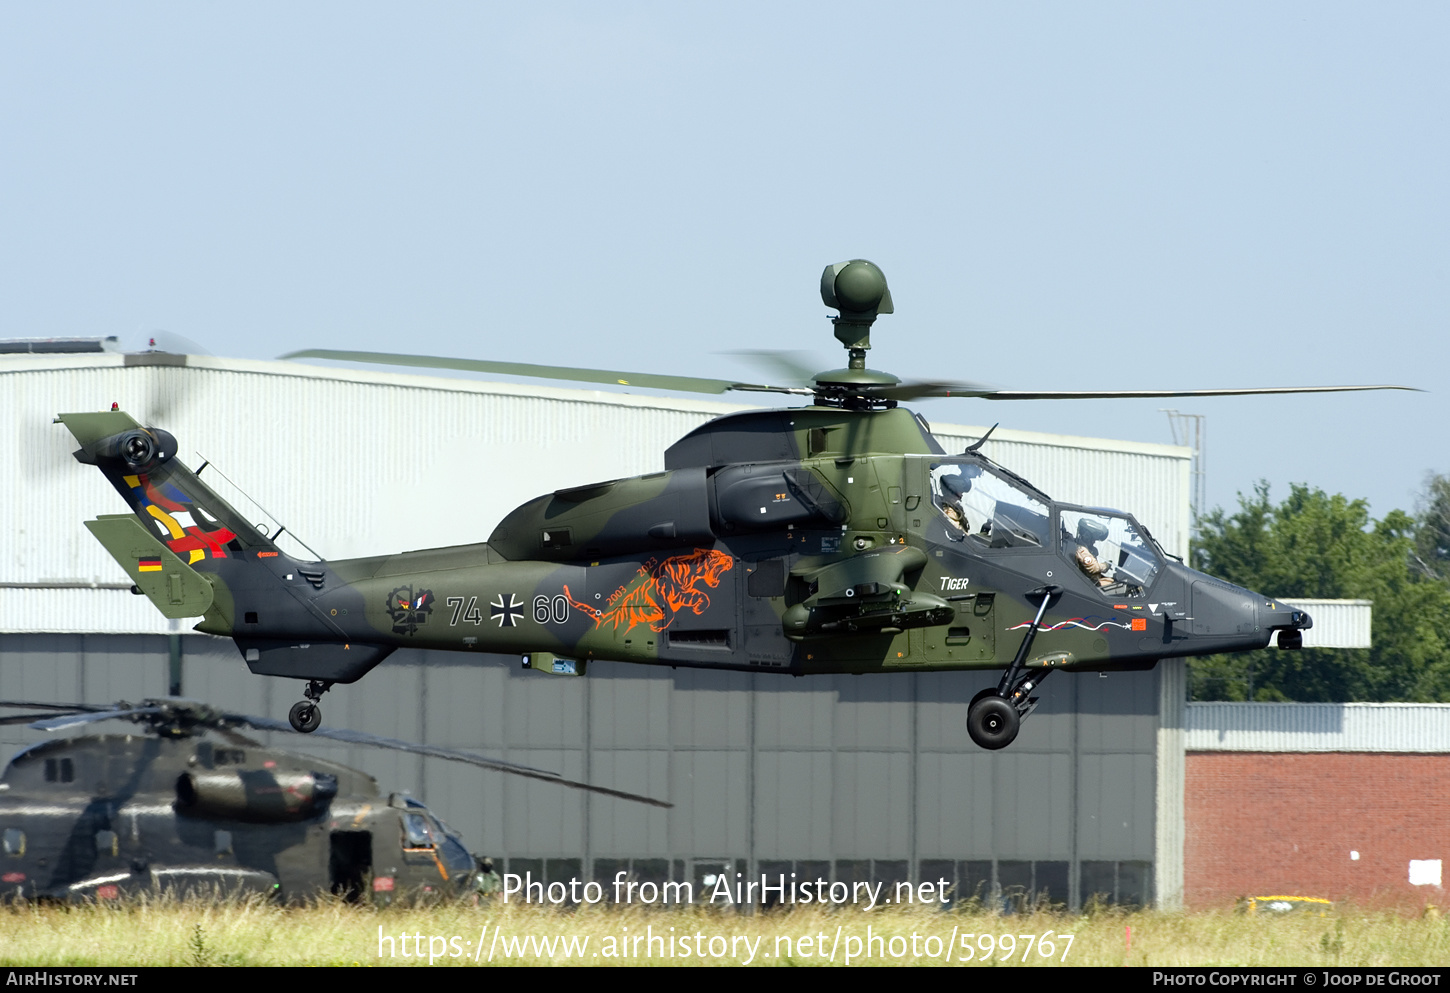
(408, 610)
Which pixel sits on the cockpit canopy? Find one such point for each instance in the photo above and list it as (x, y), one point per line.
(986, 508)
(1128, 558)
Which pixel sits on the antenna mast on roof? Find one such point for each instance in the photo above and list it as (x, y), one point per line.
(1191, 430)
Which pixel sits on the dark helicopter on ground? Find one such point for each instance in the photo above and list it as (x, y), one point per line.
(190, 806)
(833, 538)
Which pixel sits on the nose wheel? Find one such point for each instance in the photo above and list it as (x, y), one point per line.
(995, 715)
(305, 715)
(992, 721)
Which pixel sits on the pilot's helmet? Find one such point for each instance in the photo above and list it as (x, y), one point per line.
(1091, 531)
(955, 486)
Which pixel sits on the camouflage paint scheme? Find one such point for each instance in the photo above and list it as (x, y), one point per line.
(801, 541)
(104, 817)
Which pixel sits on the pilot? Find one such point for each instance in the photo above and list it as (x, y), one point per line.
(953, 486)
(1089, 533)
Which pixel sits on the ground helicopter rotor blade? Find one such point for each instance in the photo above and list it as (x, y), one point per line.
(74, 720)
(684, 384)
(453, 755)
(193, 714)
(55, 709)
(78, 707)
(22, 718)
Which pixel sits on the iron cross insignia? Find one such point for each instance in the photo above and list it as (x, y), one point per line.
(507, 614)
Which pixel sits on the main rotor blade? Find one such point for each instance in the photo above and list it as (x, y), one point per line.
(797, 368)
(1161, 394)
(363, 738)
(685, 384)
(922, 391)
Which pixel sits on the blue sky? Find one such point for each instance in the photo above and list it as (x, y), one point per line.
(1063, 196)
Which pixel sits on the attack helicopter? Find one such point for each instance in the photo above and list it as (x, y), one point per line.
(833, 538)
(191, 806)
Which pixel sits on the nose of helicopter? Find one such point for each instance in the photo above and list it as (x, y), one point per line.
(1289, 621)
(1220, 613)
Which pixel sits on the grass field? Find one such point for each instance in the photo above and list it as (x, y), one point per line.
(165, 933)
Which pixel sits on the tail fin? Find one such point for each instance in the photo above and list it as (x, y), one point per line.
(173, 505)
(173, 545)
(174, 587)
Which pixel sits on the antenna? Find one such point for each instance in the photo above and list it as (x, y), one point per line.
(280, 527)
(1194, 432)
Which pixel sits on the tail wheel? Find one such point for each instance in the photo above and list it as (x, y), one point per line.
(992, 722)
(305, 716)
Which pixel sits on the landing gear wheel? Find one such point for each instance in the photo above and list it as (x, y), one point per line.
(992, 722)
(305, 716)
(989, 691)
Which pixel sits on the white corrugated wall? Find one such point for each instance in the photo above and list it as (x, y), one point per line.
(81, 610)
(1337, 623)
(1317, 727)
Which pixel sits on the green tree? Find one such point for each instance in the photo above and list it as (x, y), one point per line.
(1432, 535)
(1318, 546)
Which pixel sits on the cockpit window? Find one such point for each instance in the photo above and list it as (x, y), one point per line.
(416, 833)
(14, 842)
(1111, 550)
(987, 508)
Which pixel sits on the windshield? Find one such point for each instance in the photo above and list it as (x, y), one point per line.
(1111, 550)
(416, 832)
(987, 508)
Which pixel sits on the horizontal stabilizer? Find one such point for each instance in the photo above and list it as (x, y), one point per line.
(174, 587)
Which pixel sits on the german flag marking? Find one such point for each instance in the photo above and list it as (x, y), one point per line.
(148, 565)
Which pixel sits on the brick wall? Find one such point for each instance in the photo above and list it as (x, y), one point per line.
(1268, 824)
